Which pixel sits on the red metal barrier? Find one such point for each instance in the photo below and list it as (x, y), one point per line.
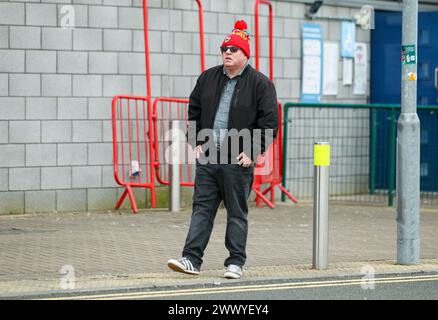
(165, 110)
(271, 171)
(271, 37)
(137, 144)
(132, 129)
(132, 146)
(201, 33)
(146, 48)
(145, 126)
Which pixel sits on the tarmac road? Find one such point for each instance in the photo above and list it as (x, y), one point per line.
(388, 287)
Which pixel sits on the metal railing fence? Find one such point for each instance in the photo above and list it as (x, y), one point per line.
(363, 139)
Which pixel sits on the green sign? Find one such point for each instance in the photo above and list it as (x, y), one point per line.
(408, 54)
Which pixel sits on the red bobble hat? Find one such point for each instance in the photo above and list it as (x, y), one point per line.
(239, 37)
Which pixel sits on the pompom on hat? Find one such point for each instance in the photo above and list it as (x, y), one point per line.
(239, 37)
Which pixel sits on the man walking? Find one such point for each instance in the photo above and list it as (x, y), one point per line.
(229, 98)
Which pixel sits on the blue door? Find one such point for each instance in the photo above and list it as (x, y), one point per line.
(386, 41)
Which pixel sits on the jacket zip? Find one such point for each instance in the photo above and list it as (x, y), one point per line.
(218, 100)
(233, 104)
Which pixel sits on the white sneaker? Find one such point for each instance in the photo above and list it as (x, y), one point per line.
(183, 265)
(233, 272)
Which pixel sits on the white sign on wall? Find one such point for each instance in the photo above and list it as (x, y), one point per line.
(330, 68)
(312, 62)
(348, 38)
(347, 72)
(360, 69)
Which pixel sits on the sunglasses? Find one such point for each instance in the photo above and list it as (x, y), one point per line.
(232, 49)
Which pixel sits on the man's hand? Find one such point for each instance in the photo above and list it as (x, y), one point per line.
(198, 151)
(244, 161)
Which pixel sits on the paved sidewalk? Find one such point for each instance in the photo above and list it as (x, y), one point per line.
(119, 249)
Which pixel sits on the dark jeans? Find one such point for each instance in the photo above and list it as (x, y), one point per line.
(213, 183)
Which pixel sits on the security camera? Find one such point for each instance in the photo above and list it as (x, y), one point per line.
(365, 18)
(313, 9)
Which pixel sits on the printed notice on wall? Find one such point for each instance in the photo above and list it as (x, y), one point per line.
(330, 68)
(312, 62)
(348, 38)
(347, 71)
(311, 75)
(360, 69)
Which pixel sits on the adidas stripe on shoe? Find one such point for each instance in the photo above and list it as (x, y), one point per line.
(183, 265)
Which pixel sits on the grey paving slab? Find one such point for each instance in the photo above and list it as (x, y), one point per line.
(118, 247)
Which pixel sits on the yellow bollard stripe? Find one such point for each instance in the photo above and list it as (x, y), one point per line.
(321, 155)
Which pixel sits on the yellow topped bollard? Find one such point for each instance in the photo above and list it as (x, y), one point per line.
(321, 162)
(321, 154)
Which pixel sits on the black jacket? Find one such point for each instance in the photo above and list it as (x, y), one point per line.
(253, 106)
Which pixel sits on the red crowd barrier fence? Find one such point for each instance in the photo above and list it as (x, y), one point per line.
(166, 110)
(132, 146)
(271, 171)
(140, 128)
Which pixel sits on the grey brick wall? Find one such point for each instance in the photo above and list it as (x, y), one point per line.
(56, 84)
